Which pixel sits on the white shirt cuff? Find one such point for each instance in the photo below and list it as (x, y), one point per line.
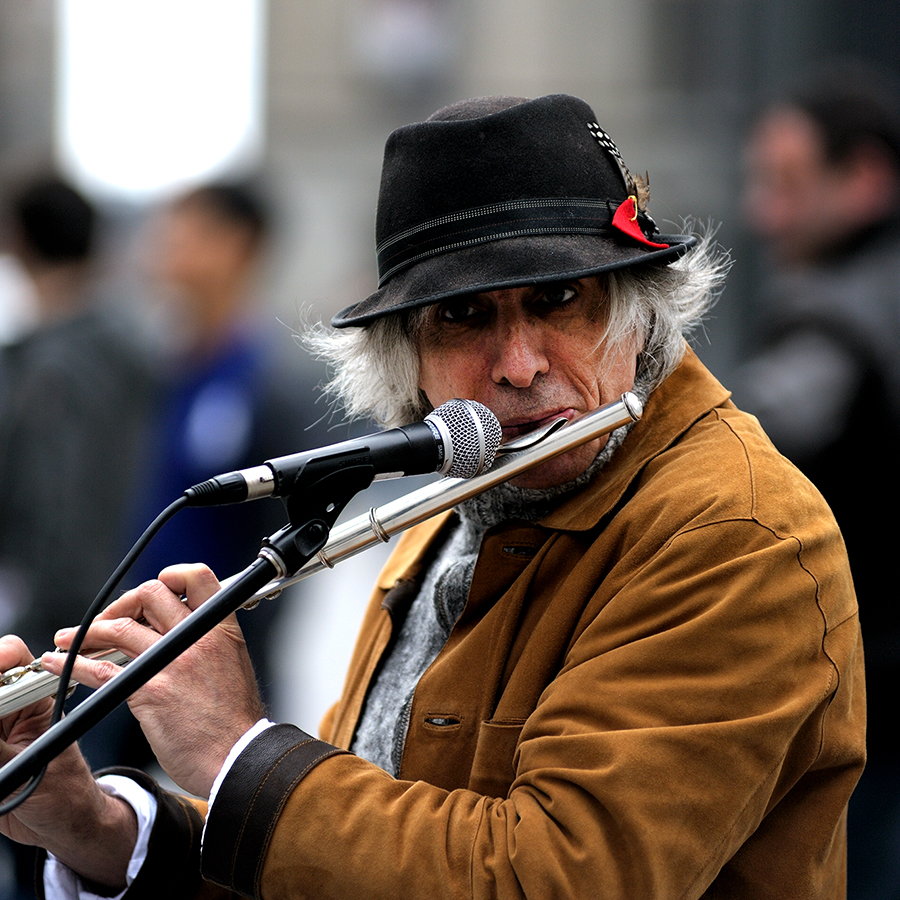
(61, 883)
(233, 754)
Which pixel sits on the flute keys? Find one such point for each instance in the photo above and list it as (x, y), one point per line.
(11, 676)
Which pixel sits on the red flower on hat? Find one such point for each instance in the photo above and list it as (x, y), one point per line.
(625, 219)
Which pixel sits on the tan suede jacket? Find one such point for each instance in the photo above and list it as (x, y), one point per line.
(655, 692)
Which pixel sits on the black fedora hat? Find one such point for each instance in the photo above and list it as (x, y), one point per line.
(499, 192)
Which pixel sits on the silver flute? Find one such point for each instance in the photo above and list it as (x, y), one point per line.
(23, 685)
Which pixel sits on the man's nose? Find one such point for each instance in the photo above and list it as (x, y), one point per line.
(519, 354)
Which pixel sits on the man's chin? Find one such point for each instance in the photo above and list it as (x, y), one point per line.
(561, 469)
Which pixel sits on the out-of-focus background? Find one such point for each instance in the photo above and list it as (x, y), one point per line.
(136, 99)
(136, 104)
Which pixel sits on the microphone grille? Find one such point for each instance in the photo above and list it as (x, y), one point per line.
(471, 437)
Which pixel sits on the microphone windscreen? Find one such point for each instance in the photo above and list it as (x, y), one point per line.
(471, 434)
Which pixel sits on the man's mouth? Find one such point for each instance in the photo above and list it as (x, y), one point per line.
(514, 428)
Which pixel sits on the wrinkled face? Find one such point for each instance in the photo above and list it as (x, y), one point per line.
(531, 355)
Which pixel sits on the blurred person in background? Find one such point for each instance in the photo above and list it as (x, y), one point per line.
(75, 390)
(822, 193)
(238, 388)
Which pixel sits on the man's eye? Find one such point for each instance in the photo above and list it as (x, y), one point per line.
(457, 311)
(558, 295)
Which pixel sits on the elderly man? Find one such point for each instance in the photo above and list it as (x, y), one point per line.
(636, 672)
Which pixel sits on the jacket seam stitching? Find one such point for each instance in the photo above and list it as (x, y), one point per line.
(472, 858)
(273, 819)
(253, 801)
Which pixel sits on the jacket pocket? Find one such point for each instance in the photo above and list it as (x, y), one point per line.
(493, 770)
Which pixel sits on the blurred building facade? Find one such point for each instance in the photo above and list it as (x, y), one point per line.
(674, 82)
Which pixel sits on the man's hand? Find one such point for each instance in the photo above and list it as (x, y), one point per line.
(194, 711)
(68, 814)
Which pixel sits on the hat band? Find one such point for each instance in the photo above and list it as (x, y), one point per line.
(515, 218)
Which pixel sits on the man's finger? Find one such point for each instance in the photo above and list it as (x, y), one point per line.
(90, 673)
(195, 582)
(151, 602)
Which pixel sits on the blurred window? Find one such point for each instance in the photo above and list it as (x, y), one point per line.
(155, 94)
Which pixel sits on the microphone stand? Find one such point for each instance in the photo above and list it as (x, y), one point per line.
(312, 511)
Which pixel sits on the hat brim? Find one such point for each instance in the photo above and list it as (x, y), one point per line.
(507, 263)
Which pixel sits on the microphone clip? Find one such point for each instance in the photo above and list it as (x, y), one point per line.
(313, 506)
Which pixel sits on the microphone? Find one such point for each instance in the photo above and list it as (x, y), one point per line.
(460, 439)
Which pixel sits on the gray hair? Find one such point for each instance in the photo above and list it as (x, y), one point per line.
(376, 368)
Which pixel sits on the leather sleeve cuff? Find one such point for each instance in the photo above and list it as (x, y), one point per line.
(172, 866)
(250, 799)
